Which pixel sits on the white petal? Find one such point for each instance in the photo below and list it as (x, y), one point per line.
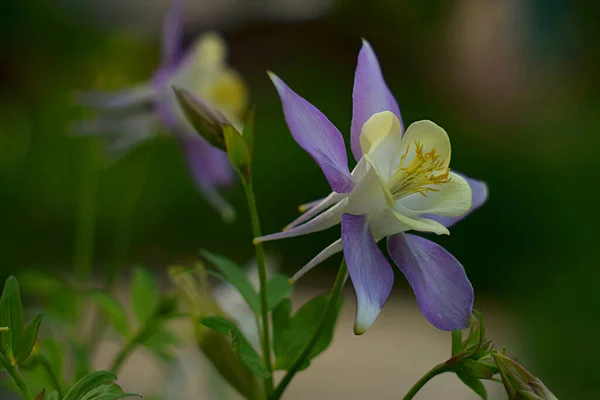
(422, 224)
(370, 193)
(315, 209)
(381, 138)
(453, 199)
(330, 250)
(324, 221)
(431, 136)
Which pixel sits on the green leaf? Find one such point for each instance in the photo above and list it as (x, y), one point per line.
(236, 276)
(113, 309)
(302, 327)
(27, 340)
(474, 369)
(242, 348)
(475, 385)
(238, 151)
(278, 288)
(88, 383)
(160, 341)
(11, 315)
(52, 396)
(144, 294)
(248, 131)
(82, 361)
(281, 322)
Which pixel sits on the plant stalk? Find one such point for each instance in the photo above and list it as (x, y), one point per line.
(329, 308)
(262, 275)
(438, 369)
(16, 376)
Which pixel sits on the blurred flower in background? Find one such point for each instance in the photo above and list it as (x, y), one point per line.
(134, 115)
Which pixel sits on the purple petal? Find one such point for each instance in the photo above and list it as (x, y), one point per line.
(479, 191)
(369, 270)
(210, 169)
(369, 96)
(444, 293)
(172, 30)
(317, 135)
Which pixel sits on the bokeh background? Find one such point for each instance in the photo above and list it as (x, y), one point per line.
(515, 84)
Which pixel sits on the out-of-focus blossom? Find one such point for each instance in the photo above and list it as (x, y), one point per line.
(136, 114)
(402, 182)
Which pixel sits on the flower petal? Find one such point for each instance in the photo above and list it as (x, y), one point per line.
(326, 220)
(422, 224)
(443, 291)
(479, 193)
(330, 250)
(116, 100)
(369, 270)
(171, 33)
(431, 136)
(369, 96)
(210, 168)
(370, 193)
(453, 199)
(319, 206)
(381, 138)
(317, 135)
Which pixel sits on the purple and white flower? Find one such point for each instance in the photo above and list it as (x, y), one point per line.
(402, 182)
(133, 115)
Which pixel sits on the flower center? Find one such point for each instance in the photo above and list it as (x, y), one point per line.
(421, 175)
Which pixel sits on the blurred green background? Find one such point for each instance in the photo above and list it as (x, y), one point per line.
(515, 84)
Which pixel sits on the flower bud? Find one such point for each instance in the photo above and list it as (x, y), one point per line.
(519, 383)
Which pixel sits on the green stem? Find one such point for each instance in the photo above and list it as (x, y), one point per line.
(329, 308)
(16, 376)
(130, 346)
(53, 377)
(438, 369)
(262, 275)
(86, 215)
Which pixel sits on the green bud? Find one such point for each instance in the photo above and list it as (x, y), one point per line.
(206, 120)
(519, 383)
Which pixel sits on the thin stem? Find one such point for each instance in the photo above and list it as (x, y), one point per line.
(86, 214)
(329, 308)
(262, 275)
(53, 377)
(16, 376)
(131, 344)
(438, 369)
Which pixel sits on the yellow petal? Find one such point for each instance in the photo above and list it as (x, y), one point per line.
(431, 136)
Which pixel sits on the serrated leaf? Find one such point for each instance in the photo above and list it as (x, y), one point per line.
(242, 348)
(144, 294)
(238, 151)
(236, 276)
(475, 385)
(27, 340)
(281, 321)
(11, 315)
(88, 383)
(302, 327)
(278, 288)
(113, 310)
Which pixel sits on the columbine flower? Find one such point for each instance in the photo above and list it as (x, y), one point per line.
(136, 114)
(402, 182)
(519, 383)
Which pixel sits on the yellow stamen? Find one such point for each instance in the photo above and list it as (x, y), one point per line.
(425, 170)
